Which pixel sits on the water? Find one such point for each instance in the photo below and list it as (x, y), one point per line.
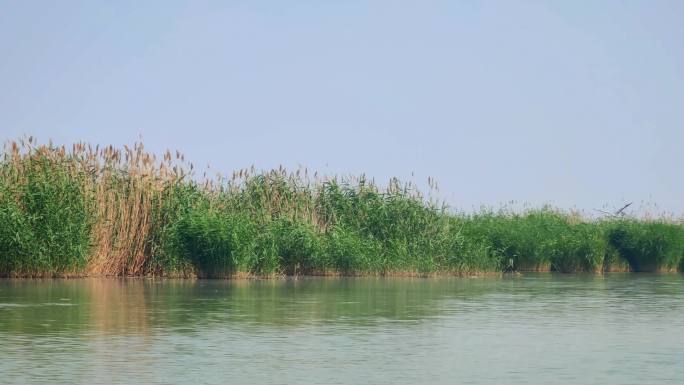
(534, 329)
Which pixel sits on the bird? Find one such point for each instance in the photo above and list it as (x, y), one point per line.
(618, 213)
(622, 210)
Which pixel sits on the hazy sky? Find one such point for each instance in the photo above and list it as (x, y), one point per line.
(573, 103)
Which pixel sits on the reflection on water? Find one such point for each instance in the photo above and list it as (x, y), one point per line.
(534, 329)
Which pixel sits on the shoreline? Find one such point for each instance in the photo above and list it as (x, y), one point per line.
(283, 277)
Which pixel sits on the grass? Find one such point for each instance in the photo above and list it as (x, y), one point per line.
(649, 247)
(45, 222)
(119, 212)
(542, 240)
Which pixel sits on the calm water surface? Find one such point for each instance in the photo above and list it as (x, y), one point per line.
(534, 329)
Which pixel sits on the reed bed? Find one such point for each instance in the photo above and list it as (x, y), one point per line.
(96, 211)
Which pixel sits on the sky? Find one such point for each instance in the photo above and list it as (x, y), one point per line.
(577, 104)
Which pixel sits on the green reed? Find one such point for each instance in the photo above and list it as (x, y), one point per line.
(648, 246)
(44, 223)
(123, 212)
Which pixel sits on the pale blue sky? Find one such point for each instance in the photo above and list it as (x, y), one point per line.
(574, 103)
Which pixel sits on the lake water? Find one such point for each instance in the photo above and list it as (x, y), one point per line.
(533, 329)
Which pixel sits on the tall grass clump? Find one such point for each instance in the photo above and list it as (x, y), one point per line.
(173, 202)
(136, 196)
(43, 210)
(648, 246)
(84, 210)
(299, 247)
(540, 240)
(216, 244)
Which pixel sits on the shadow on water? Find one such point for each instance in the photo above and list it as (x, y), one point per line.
(144, 306)
(121, 306)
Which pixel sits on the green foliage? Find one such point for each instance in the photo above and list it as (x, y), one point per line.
(298, 247)
(409, 233)
(648, 246)
(16, 237)
(517, 238)
(216, 244)
(540, 240)
(280, 223)
(576, 247)
(264, 258)
(350, 252)
(221, 243)
(45, 226)
(467, 250)
(177, 201)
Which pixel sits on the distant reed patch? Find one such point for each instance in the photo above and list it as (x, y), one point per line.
(102, 211)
